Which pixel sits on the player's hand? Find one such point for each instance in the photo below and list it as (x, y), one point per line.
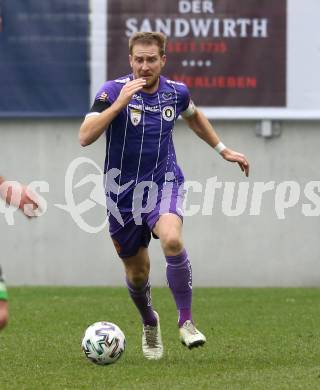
(232, 156)
(21, 197)
(29, 203)
(128, 90)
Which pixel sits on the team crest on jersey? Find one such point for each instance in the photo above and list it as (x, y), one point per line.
(168, 113)
(135, 116)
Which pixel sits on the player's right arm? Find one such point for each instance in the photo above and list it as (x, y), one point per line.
(18, 195)
(93, 126)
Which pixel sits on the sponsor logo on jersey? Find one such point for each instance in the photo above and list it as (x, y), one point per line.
(168, 113)
(138, 107)
(103, 97)
(152, 108)
(135, 116)
(167, 96)
(137, 97)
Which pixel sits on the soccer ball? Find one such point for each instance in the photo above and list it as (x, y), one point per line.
(103, 343)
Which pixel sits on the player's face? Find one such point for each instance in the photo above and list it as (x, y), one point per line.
(147, 63)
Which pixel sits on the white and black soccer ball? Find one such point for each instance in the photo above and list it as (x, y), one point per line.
(103, 343)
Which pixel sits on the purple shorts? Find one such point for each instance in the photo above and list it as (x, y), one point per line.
(136, 232)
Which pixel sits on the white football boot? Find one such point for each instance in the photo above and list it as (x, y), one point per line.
(190, 336)
(152, 346)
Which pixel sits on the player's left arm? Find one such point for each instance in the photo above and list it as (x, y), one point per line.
(198, 122)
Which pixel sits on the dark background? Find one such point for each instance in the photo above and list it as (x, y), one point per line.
(263, 59)
(44, 58)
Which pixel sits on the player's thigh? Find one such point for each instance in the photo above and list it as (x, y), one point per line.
(168, 226)
(137, 267)
(169, 229)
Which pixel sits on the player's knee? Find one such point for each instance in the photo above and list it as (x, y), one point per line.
(139, 276)
(172, 245)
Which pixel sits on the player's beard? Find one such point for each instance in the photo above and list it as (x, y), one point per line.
(152, 83)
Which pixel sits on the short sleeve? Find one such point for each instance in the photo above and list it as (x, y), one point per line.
(187, 106)
(185, 96)
(103, 99)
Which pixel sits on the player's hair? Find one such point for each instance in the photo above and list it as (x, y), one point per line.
(148, 38)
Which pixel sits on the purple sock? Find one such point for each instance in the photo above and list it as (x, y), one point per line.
(142, 299)
(179, 276)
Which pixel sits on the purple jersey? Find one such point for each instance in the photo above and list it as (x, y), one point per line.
(139, 140)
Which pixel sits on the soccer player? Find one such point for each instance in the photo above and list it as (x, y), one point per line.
(3, 302)
(16, 195)
(138, 113)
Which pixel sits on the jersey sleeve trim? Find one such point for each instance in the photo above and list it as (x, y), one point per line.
(191, 109)
(99, 106)
(92, 114)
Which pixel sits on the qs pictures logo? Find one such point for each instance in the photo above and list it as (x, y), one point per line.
(92, 182)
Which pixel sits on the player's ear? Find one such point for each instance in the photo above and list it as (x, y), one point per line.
(130, 60)
(163, 60)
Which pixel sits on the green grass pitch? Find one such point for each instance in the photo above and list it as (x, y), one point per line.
(257, 339)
